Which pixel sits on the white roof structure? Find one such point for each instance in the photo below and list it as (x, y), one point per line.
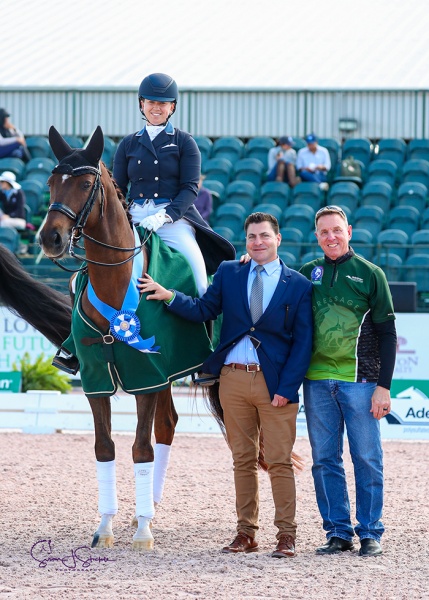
(276, 44)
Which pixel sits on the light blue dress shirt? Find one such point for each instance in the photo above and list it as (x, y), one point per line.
(244, 352)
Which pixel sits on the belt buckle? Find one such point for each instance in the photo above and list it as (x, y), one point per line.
(254, 370)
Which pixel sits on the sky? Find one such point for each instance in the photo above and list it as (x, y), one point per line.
(277, 44)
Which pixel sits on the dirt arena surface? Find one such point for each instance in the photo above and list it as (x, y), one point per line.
(48, 492)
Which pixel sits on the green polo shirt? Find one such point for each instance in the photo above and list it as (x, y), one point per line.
(349, 296)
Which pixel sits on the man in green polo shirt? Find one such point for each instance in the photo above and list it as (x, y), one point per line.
(348, 383)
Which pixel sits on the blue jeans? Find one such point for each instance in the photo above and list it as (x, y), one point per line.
(316, 177)
(329, 405)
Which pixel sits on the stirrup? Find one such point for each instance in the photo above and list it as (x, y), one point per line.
(204, 379)
(65, 361)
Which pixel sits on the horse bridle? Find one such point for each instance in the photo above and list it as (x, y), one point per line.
(81, 218)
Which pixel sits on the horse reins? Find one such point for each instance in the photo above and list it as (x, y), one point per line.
(81, 218)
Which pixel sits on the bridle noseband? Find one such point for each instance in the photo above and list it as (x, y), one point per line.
(81, 218)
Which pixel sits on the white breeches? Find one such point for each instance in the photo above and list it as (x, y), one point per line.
(179, 235)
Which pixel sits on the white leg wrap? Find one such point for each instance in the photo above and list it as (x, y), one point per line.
(144, 489)
(107, 498)
(162, 458)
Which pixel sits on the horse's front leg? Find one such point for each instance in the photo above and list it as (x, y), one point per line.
(143, 457)
(165, 424)
(106, 471)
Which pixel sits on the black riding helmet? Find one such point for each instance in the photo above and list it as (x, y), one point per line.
(160, 88)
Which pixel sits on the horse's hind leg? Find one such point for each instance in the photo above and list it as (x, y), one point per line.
(106, 471)
(143, 457)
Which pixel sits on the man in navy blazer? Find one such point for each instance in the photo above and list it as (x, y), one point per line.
(261, 366)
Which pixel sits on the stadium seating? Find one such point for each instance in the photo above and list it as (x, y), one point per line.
(292, 239)
(412, 194)
(34, 196)
(416, 171)
(394, 149)
(9, 237)
(359, 148)
(317, 252)
(299, 216)
(241, 192)
(74, 141)
(231, 215)
(219, 169)
(288, 257)
(225, 232)
(406, 218)
(249, 169)
(271, 209)
(275, 192)
(205, 146)
(345, 194)
(420, 242)
(307, 193)
(391, 264)
(370, 218)
(382, 170)
(109, 152)
(40, 169)
(38, 146)
(13, 164)
(229, 147)
(418, 148)
(416, 268)
(362, 241)
(334, 149)
(378, 193)
(395, 240)
(258, 147)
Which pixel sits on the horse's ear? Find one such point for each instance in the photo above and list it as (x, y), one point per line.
(58, 144)
(94, 148)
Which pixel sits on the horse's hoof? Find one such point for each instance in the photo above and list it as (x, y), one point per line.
(102, 541)
(143, 545)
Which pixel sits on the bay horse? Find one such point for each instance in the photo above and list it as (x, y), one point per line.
(85, 203)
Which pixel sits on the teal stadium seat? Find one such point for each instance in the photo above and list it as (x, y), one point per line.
(378, 193)
(109, 152)
(299, 216)
(38, 146)
(34, 197)
(292, 239)
(287, 257)
(317, 252)
(299, 143)
(406, 218)
(258, 147)
(382, 170)
(275, 192)
(362, 243)
(394, 149)
(10, 238)
(391, 264)
(412, 194)
(345, 194)
(249, 169)
(418, 148)
(40, 169)
(370, 218)
(219, 169)
(416, 171)
(225, 232)
(416, 268)
(359, 148)
(217, 190)
(74, 141)
(15, 165)
(424, 223)
(308, 193)
(205, 146)
(271, 209)
(241, 192)
(420, 242)
(231, 215)
(334, 149)
(229, 147)
(394, 240)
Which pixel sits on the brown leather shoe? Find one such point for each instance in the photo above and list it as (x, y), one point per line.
(242, 543)
(285, 547)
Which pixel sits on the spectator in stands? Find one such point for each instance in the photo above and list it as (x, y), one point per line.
(313, 162)
(12, 141)
(204, 200)
(281, 162)
(12, 202)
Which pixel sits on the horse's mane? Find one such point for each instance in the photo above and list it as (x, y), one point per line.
(121, 196)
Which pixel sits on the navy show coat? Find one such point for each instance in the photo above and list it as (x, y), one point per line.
(285, 329)
(169, 167)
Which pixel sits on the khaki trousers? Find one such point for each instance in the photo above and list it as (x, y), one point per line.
(247, 408)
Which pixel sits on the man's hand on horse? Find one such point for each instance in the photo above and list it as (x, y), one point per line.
(154, 289)
(154, 222)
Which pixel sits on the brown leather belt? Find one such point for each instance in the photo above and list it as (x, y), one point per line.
(252, 368)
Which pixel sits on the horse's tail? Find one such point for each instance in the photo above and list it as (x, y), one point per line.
(211, 397)
(46, 309)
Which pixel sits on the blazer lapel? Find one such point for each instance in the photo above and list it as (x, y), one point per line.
(144, 140)
(243, 277)
(279, 292)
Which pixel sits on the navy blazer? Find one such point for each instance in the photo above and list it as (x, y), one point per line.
(285, 329)
(169, 167)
